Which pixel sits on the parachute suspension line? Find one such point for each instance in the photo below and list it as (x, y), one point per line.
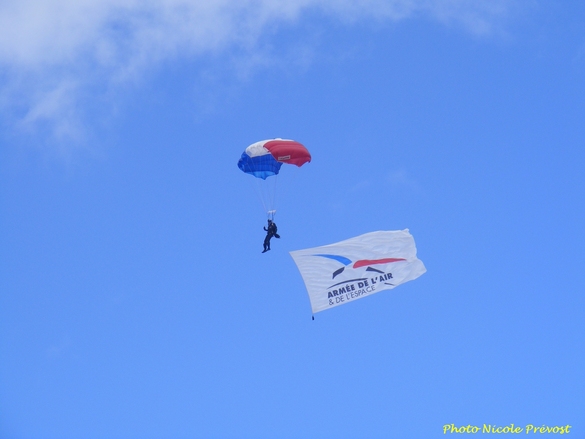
(258, 185)
(273, 192)
(266, 192)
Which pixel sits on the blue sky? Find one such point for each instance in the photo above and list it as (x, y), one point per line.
(134, 298)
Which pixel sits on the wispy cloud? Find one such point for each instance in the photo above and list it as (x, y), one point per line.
(52, 50)
(401, 179)
(59, 348)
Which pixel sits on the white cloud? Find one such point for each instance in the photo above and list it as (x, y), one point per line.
(52, 49)
(401, 179)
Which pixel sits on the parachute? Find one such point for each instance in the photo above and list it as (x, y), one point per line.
(339, 273)
(264, 159)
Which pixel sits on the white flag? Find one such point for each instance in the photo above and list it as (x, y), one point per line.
(358, 267)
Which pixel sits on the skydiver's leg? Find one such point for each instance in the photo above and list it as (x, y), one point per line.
(266, 244)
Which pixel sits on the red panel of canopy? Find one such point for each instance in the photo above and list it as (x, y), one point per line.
(288, 151)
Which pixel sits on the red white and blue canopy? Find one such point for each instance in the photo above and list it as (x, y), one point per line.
(264, 159)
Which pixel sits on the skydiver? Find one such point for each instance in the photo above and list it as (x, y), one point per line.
(270, 232)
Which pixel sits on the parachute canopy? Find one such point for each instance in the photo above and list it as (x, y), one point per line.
(339, 273)
(264, 159)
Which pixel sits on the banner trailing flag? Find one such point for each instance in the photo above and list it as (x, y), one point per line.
(339, 273)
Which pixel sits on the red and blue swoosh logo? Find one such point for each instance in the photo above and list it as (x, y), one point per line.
(360, 263)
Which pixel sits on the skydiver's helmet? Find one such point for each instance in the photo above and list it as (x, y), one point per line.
(269, 221)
